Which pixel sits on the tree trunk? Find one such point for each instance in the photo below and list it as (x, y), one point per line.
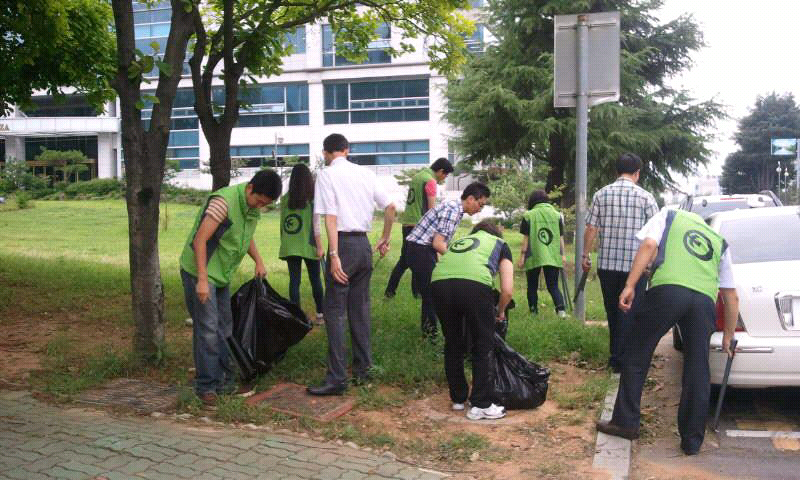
(220, 156)
(556, 158)
(145, 153)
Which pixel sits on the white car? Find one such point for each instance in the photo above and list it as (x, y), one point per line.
(765, 249)
(707, 205)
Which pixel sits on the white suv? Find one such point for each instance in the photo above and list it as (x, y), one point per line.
(707, 205)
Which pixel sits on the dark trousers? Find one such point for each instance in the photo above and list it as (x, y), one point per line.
(401, 266)
(312, 265)
(466, 304)
(661, 308)
(351, 301)
(612, 283)
(422, 259)
(551, 279)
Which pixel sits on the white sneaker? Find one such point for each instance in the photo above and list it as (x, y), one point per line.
(320, 320)
(562, 314)
(188, 322)
(458, 406)
(492, 412)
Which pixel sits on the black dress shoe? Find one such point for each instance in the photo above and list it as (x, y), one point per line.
(617, 431)
(327, 389)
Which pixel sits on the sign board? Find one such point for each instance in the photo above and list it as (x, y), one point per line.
(783, 147)
(604, 42)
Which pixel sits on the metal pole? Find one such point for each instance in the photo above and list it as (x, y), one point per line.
(581, 148)
(797, 169)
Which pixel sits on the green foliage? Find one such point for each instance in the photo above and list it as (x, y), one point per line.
(68, 162)
(404, 178)
(50, 44)
(752, 168)
(579, 397)
(95, 188)
(23, 199)
(503, 105)
(511, 185)
(17, 175)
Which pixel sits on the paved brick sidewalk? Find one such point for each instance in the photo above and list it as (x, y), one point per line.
(41, 441)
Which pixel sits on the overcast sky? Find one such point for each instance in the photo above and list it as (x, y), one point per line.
(753, 48)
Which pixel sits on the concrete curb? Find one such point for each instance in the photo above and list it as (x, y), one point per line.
(612, 454)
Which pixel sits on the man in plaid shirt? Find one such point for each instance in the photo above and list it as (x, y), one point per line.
(619, 210)
(430, 237)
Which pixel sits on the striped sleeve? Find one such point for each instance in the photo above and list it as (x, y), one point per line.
(217, 209)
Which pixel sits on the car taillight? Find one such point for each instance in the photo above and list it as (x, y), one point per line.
(721, 316)
(785, 311)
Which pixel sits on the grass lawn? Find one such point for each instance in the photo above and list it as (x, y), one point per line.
(66, 263)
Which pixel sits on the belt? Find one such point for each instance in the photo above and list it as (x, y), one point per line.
(352, 234)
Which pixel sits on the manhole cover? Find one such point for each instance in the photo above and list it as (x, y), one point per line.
(292, 399)
(144, 397)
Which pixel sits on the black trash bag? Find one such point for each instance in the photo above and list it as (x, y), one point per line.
(518, 383)
(265, 325)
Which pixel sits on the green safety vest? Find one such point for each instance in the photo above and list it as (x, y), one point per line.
(416, 202)
(230, 242)
(544, 237)
(474, 257)
(689, 254)
(297, 232)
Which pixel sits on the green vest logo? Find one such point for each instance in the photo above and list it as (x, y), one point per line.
(292, 224)
(465, 245)
(698, 245)
(545, 235)
(410, 200)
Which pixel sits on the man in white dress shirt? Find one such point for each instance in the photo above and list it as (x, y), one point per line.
(347, 195)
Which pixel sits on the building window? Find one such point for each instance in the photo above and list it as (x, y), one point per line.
(151, 25)
(69, 106)
(273, 105)
(2, 152)
(297, 40)
(476, 43)
(87, 145)
(377, 50)
(270, 155)
(373, 102)
(184, 135)
(390, 153)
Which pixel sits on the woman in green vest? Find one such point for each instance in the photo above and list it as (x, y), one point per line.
(462, 288)
(542, 249)
(300, 235)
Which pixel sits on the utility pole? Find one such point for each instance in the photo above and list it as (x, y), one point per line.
(581, 153)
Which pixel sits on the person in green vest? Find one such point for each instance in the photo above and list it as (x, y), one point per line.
(421, 198)
(221, 236)
(691, 264)
(541, 225)
(463, 295)
(300, 236)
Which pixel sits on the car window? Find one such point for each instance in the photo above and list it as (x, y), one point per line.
(763, 239)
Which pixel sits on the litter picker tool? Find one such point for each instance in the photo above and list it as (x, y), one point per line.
(724, 384)
(567, 296)
(581, 286)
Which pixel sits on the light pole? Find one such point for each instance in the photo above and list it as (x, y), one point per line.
(778, 171)
(786, 189)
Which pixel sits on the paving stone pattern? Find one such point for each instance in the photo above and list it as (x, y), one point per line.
(39, 441)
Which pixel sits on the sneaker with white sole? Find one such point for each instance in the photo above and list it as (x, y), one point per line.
(562, 314)
(492, 412)
(458, 406)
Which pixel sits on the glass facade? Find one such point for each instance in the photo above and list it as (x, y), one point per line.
(476, 43)
(270, 155)
(297, 40)
(379, 101)
(2, 152)
(184, 136)
(151, 25)
(376, 50)
(84, 144)
(273, 105)
(69, 106)
(390, 153)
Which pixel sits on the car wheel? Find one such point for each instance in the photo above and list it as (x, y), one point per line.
(677, 340)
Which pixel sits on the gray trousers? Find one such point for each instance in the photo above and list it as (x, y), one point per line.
(351, 301)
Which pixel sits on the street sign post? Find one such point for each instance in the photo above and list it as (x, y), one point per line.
(586, 63)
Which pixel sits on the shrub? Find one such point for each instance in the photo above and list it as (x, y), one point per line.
(23, 200)
(98, 187)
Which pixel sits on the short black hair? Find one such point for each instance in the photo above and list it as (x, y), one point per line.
(268, 183)
(476, 190)
(628, 163)
(489, 227)
(442, 164)
(335, 142)
(537, 196)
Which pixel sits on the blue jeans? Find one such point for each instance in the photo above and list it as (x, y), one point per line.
(212, 323)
